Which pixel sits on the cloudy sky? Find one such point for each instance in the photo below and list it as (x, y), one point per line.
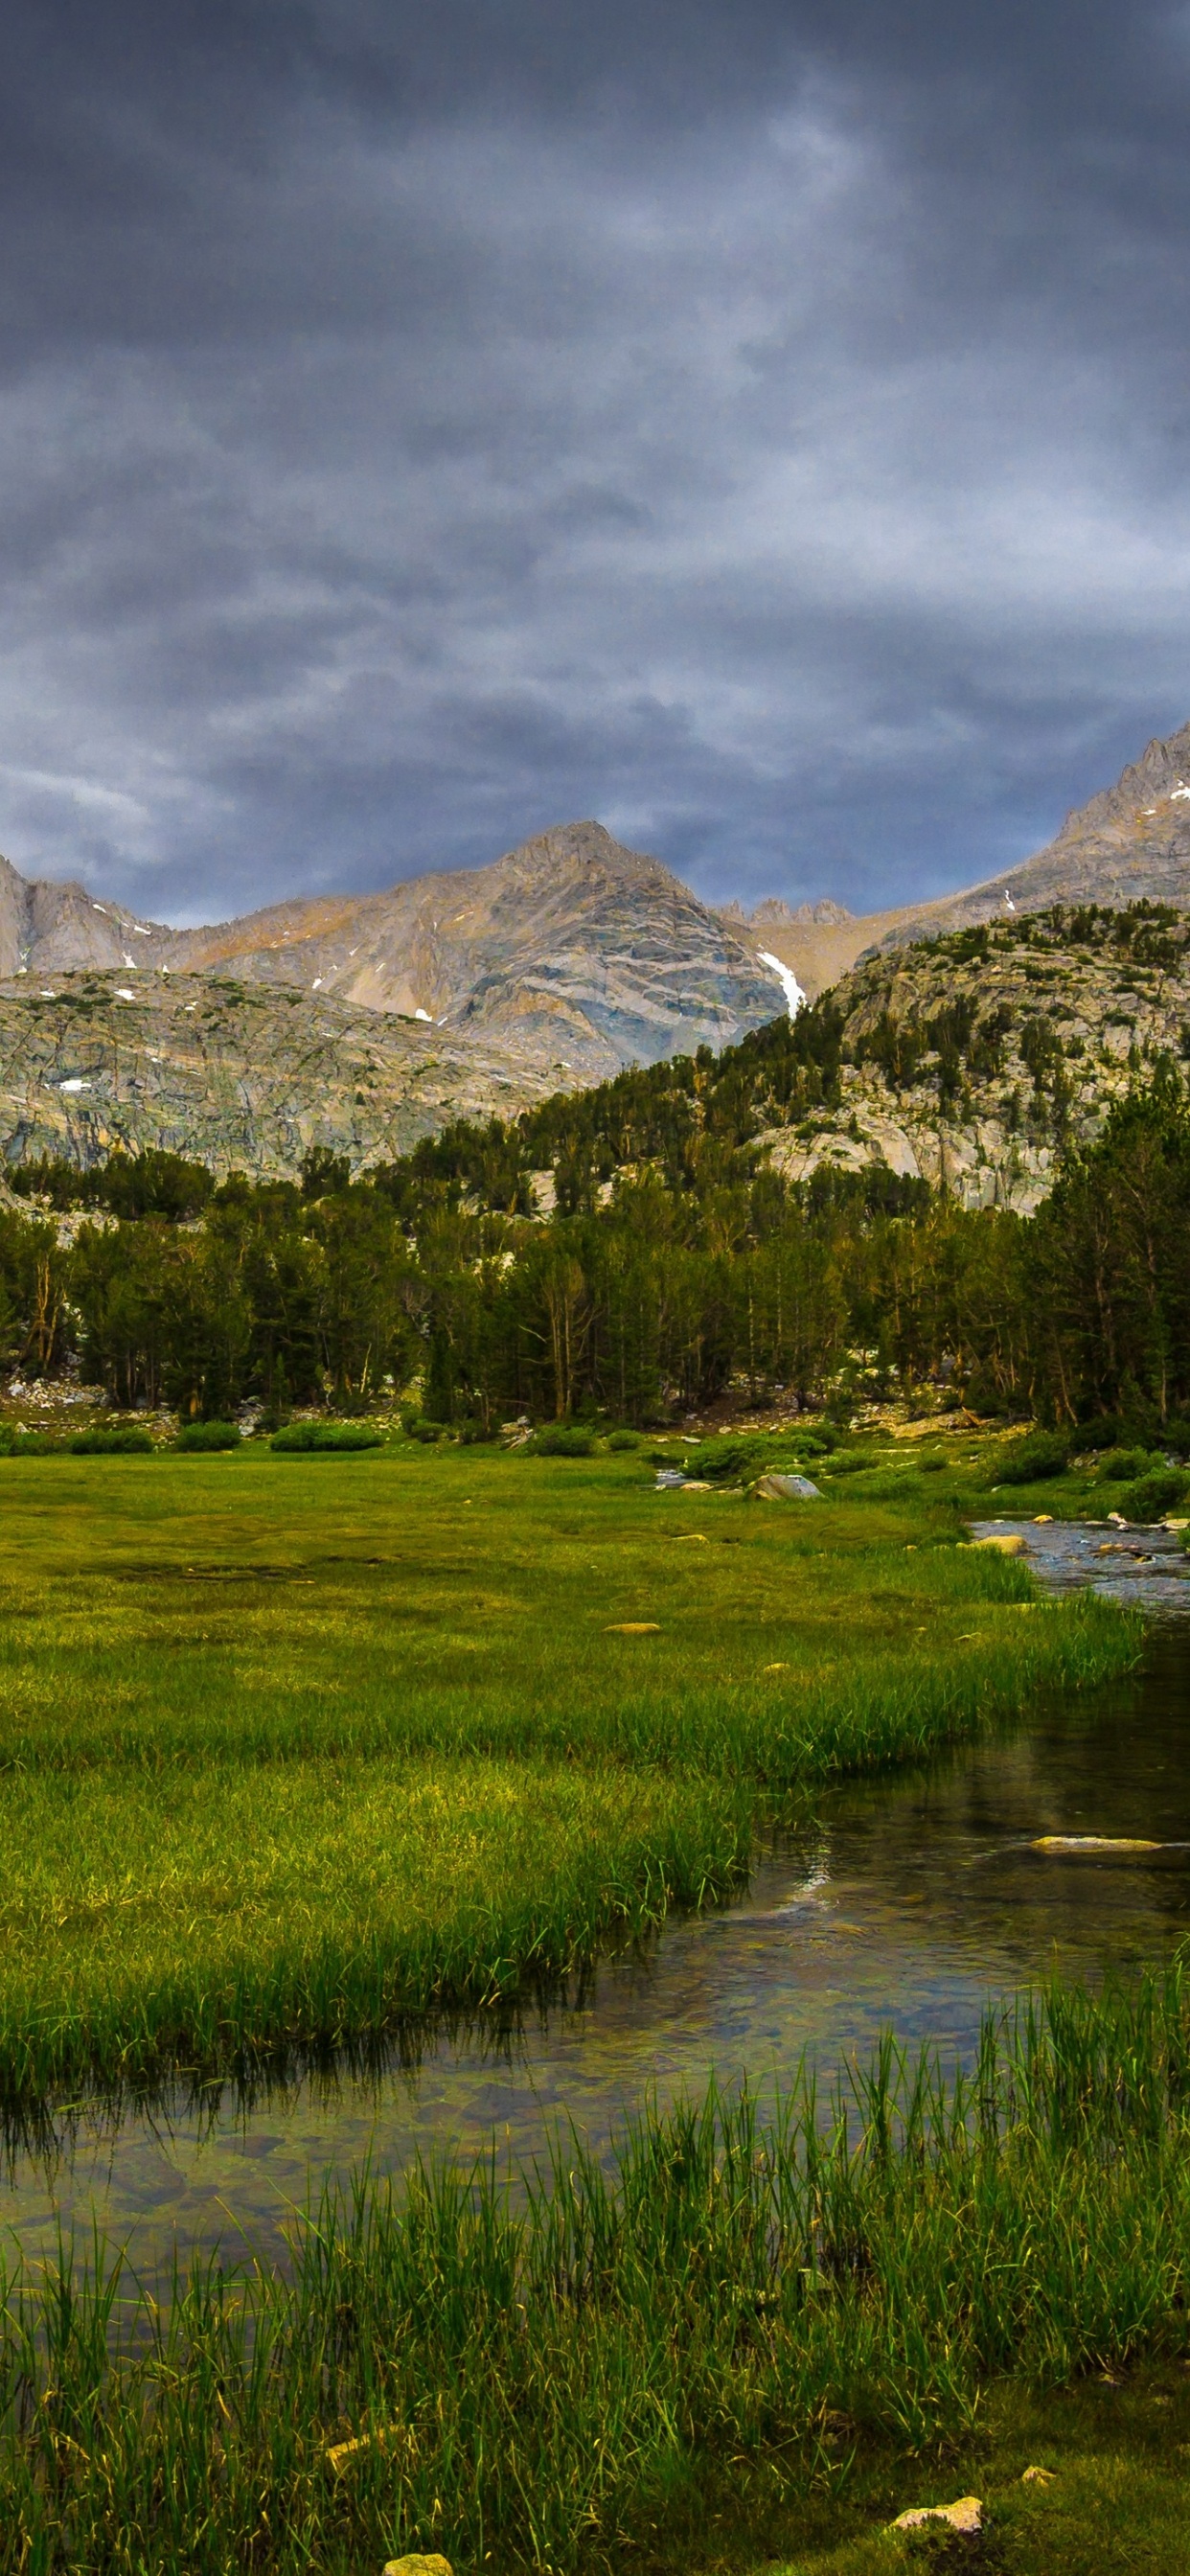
(763, 427)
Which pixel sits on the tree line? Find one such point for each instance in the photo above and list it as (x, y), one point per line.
(687, 1269)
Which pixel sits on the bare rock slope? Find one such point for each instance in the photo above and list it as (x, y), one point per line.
(358, 1022)
(972, 1059)
(1130, 841)
(239, 1077)
(583, 954)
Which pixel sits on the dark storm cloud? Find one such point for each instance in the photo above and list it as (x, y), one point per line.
(763, 427)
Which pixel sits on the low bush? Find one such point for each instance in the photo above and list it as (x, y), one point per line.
(1123, 1466)
(1030, 1461)
(623, 1439)
(324, 1439)
(562, 1440)
(1152, 1495)
(855, 1462)
(199, 1436)
(724, 1461)
(418, 1426)
(117, 1441)
(931, 1464)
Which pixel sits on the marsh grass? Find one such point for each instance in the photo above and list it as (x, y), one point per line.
(284, 1758)
(238, 1908)
(748, 2304)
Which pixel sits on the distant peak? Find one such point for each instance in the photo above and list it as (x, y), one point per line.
(775, 914)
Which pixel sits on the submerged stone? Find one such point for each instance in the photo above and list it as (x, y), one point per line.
(1093, 1843)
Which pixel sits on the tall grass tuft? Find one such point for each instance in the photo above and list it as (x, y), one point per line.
(543, 2377)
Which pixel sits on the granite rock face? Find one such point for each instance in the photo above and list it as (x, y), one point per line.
(583, 955)
(1131, 840)
(1087, 1016)
(238, 1077)
(357, 1022)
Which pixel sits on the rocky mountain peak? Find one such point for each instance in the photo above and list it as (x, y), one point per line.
(1159, 779)
(577, 848)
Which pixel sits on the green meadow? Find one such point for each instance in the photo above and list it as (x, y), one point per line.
(293, 1746)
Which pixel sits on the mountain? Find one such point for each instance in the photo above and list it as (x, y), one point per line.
(364, 1021)
(1131, 841)
(578, 954)
(356, 1022)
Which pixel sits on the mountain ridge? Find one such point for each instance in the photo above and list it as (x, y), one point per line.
(466, 992)
(571, 949)
(1102, 853)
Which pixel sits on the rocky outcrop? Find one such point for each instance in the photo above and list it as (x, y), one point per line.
(239, 1077)
(970, 1060)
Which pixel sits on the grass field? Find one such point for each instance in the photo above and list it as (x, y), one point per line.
(289, 1747)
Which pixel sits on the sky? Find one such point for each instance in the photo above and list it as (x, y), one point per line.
(763, 428)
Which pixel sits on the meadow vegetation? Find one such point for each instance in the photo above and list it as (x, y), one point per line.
(292, 1747)
(765, 2324)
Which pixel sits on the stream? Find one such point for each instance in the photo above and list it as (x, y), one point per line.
(911, 1900)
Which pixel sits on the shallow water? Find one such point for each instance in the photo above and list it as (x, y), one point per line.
(911, 1900)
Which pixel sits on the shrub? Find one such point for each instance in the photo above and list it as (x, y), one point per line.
(1123, 1466)
(1152, 1495)
(121, 1440)
(324, 1439)
(417, 1426)
(18, 1443)
(623, 1440)
(562, 1440)
(208, 1435)
(725, 1461)
(930, 1465)
(855, 1462)
(1038, 1455)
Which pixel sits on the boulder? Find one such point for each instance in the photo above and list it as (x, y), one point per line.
(965, 2515)
(787, 1489)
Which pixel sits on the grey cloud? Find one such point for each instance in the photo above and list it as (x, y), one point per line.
(419, 427)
